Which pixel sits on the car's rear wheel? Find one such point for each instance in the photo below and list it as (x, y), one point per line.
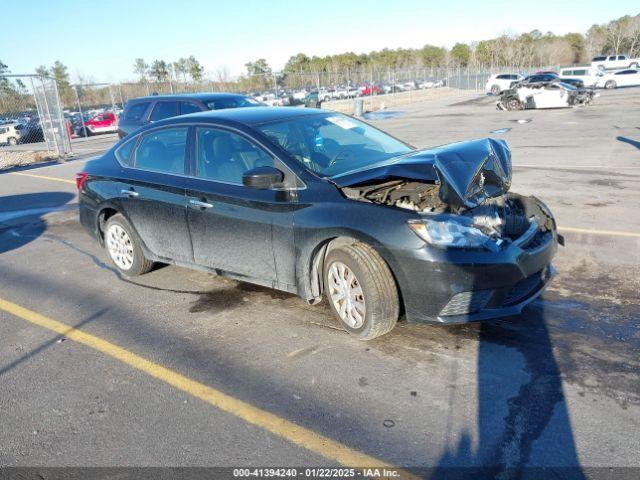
(124, 247)
(12, 141)
(495, 90)
(361, 290)
(610, 85)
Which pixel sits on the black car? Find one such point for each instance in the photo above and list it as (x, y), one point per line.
(144, 110)
(318, 203)
(31, 131)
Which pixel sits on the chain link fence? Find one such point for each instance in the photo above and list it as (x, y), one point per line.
(32, 121)
(35, 124)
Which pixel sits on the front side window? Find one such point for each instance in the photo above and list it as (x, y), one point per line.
(162, 150)
(612, 58)
(164, 110)
(333, 144)
(224, 156)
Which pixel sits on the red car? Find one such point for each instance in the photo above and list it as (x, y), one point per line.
(366, 90)
(106, 122)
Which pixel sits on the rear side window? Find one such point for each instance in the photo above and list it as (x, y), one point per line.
(125, 153)
(189, 107)
(613, 57)
(164, 110)
(135, 111)
(621, 57)
(162, 150)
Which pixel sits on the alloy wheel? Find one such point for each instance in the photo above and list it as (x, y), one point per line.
(120, 246)
(346, 295)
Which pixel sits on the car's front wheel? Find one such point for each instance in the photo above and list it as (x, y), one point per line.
(12, 141)
(361, 290)
(610, 85)
(124, 247)
(495, 90)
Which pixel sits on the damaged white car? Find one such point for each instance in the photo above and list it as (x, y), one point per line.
(553, 94)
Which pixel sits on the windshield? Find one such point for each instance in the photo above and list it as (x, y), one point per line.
(333, 144)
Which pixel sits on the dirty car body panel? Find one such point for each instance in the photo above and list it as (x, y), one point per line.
(460, 246)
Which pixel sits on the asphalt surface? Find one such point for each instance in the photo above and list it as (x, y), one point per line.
(556, 387)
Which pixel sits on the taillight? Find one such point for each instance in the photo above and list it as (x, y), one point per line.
(81, 177)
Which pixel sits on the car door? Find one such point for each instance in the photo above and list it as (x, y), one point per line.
(152, 192)
(238, 229)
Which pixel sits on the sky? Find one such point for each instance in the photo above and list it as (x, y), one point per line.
(101, 39)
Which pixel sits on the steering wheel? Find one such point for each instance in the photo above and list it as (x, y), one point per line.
(342, 153)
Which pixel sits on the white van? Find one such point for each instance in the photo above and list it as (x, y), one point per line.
(588, 75)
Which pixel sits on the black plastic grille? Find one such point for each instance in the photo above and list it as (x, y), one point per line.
(467, 302)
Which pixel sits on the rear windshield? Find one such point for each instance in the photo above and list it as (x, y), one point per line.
(135, 111)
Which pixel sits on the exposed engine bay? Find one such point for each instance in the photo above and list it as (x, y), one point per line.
(508, 216)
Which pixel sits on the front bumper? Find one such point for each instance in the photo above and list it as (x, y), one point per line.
(457, 286)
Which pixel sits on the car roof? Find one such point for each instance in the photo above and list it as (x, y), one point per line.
(204, 97)
(255, 115)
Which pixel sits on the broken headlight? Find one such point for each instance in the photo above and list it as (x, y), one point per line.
(449, 233)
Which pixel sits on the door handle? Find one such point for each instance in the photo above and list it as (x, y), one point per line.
(129, 193)
(199, 204)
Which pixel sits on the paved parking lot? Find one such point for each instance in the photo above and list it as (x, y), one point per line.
(182, 368)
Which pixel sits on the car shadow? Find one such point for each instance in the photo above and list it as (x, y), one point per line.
(21, 216)
(523, 424)
(630, 141)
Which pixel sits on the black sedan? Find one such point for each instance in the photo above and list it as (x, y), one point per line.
(321, 204)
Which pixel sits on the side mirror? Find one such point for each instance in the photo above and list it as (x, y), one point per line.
(262, 178)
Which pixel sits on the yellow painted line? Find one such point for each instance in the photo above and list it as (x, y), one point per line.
(44, 177)
(599, 232)
(278, 426)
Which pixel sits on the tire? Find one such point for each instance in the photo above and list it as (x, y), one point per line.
(495, 90)
(371, 282)
(514, 104)
(611, 84)
(633, 65)
(124, 247)
(13, 141)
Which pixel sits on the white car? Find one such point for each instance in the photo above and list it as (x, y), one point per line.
(500, 82)
(8, 134)
(623, 78)
(589, 76)
(614, 62)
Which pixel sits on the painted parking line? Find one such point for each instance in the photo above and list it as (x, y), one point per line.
(294, 433)
(599, 232)
(44, 177)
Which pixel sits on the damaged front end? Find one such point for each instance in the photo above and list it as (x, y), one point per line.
(491, 249)
(461, 193)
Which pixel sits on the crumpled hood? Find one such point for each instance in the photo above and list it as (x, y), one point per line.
(468, 172)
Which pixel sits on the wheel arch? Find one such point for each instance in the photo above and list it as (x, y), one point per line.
(310, 278)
